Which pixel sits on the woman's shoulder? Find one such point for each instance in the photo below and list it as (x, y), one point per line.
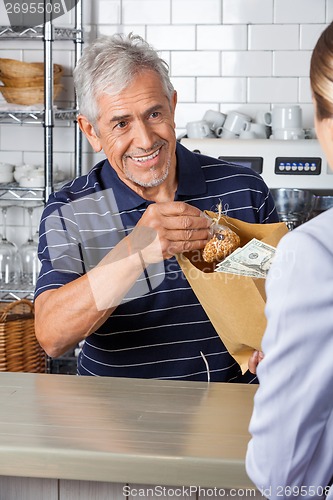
(312, 238)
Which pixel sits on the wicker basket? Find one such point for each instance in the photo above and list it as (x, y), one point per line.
(17, 69)
(27, 95)
(19, 348)
(30, 81)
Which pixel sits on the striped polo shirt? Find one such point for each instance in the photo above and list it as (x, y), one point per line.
(159, 330)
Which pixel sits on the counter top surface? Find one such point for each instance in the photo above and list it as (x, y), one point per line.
(124, 430)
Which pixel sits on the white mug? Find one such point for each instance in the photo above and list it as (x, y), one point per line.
(236, 122)
(226, 134)
(6, 172)
(289, 134)
(198, 130)
(264, 117)
(31, 181)
(6, 167)
(215, 119)
(282, 117)
(259, 130)
(247, 134)
(310, 133)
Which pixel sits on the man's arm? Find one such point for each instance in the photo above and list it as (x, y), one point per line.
(66, 315)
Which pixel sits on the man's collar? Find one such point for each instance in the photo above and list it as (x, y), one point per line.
(191, 181)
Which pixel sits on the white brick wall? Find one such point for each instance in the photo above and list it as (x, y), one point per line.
(223, 55)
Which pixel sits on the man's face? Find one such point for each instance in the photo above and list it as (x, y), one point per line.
(136, 132)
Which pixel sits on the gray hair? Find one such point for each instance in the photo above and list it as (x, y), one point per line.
(109, 64)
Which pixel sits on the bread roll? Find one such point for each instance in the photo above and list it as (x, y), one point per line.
(222, 244)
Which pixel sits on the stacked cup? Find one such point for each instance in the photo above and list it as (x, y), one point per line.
(286, 122)
(6, 173)
(198, 130)
(215, 120)
(254, 131)
(207, 127)
(235, 124)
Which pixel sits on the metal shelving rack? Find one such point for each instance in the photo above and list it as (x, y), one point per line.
(46, 117)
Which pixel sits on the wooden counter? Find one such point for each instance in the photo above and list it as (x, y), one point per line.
(115, 430)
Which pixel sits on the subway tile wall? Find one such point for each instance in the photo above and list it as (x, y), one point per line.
(223, 55)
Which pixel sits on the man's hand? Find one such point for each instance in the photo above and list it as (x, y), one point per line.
(174, 227)
(254, 361)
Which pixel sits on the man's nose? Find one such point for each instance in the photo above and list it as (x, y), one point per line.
(143, 135)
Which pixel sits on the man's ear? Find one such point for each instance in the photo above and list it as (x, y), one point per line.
(174, 100)
(90, 133)
(173, 105)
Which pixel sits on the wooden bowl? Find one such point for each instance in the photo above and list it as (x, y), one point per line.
(27, 95)
(30, 81)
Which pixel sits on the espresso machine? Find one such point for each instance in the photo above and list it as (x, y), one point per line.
(296, 171)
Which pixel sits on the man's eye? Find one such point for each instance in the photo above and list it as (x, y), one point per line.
(155, 114)
(121, 125)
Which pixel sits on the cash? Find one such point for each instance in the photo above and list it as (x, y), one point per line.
(253, 259)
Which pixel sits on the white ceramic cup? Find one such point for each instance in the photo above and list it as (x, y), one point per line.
(226, 134)
(22, 170)
(236, 122)
(259, 130)
(6, 177)
(198, 130)
(264, 117)
(32, 181)
(289, 134)
(247, 134)
(285, 117)
(310, 133)
(6, 167)
(215, 119)
(6, 172)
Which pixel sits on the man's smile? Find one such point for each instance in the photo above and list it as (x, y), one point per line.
(142, 159)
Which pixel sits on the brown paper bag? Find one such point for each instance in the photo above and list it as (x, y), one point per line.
(234, 304)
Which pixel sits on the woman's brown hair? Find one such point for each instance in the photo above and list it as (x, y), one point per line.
(321, 74)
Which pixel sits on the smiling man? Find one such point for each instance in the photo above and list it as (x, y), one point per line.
(109, 239)
(136, 132)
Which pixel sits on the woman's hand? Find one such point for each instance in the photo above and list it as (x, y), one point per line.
(254, 361)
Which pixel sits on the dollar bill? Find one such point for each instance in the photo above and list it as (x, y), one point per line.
(229, 267)
(253, 259)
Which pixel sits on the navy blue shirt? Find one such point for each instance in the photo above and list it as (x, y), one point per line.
(160, 329)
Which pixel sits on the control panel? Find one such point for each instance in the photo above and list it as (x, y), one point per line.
(299, 166)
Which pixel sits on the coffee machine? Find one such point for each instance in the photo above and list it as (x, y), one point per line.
(296, 171)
